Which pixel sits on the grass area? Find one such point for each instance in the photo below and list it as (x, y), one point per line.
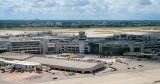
(74, 29)
(50, 29)
(80, 29)
(66, 32)
(107, 30)
(140, 27)
(27, 29)
(135, 30)
(120, 30)
(130, 29)
(109, 33)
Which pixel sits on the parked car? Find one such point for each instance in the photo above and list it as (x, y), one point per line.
(54, 78)
(139, 59)
(69, 73)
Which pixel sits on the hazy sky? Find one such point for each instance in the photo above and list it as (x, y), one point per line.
(80, 9)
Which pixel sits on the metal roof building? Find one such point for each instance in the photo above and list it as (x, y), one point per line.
(68, 65)
(21, 64)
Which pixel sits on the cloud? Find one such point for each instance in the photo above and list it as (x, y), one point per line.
(79, 9)
(145, 2)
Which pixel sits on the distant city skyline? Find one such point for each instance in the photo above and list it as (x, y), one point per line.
(80, 9)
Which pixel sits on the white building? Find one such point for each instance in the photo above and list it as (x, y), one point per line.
(27, 66)
(69, 65)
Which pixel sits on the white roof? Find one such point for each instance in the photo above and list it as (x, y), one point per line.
(20, 62)
(64, 63)
(1, 59)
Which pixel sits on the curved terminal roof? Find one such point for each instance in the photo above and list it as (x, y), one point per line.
(64, 62)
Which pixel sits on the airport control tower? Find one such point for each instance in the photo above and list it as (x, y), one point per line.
(82, 38)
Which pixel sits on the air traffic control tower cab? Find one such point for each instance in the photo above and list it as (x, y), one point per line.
(82, 35)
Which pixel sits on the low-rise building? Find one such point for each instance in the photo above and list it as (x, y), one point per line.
(69, 65)
(27, 66)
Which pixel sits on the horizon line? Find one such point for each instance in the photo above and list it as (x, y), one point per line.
(77, 20)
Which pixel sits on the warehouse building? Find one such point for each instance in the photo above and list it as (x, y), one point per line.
(69, 65)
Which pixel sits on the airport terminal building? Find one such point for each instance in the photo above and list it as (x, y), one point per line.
(49, 43)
